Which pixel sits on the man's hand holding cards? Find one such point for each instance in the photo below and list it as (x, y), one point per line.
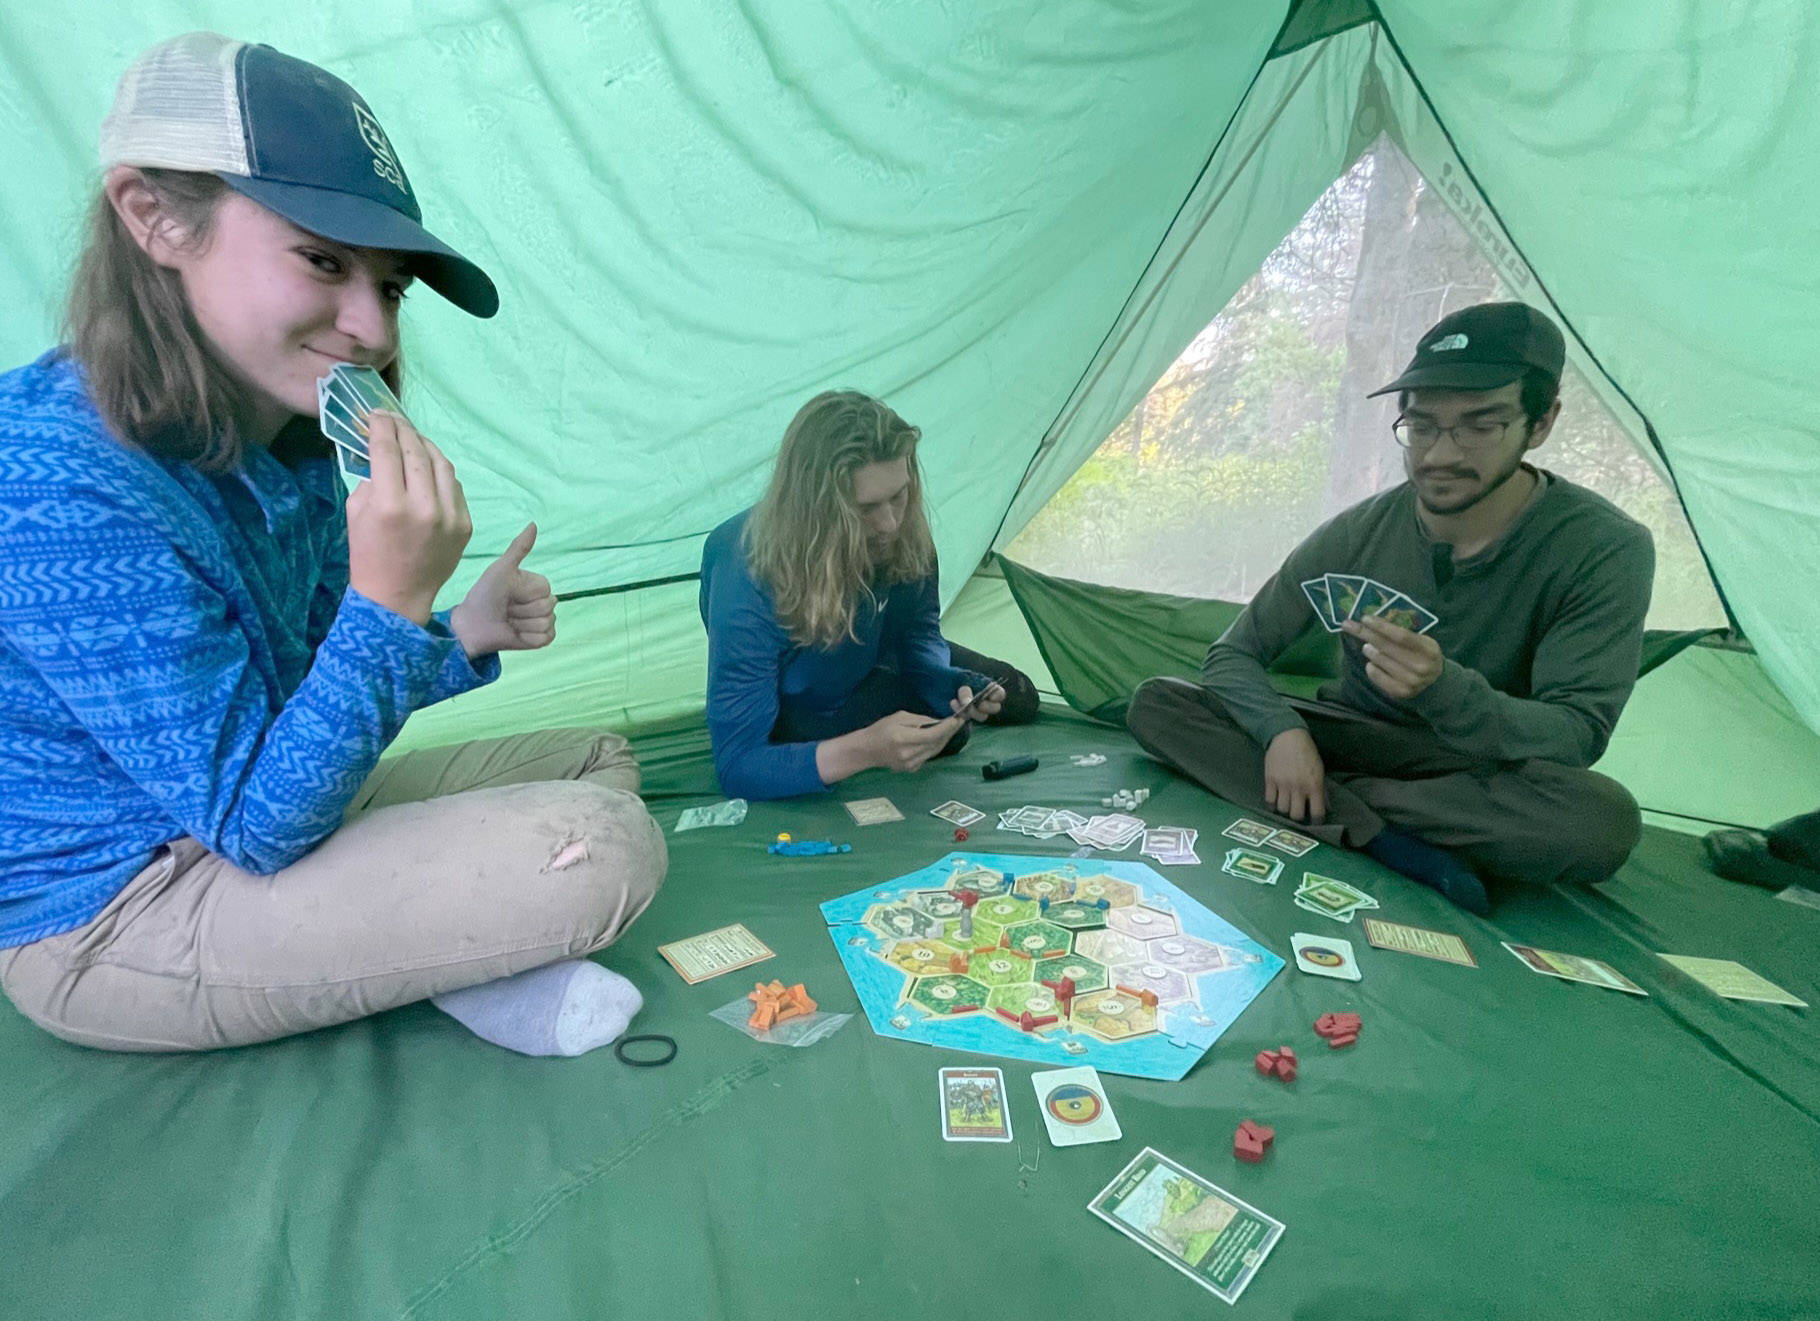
(1400, 663)
(1341, 597)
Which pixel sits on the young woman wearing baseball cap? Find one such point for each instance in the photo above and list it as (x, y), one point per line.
(206, 643)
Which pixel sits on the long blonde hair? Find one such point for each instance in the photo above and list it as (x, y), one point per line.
(806, 540)
(150, 370)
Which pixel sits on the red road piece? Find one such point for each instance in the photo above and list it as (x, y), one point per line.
(1342, 1039)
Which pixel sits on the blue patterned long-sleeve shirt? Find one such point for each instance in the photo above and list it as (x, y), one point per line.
(180, 654)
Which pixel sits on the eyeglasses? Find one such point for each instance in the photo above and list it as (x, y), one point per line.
(1414, 434)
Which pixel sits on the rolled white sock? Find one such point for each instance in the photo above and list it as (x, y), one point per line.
(566, 1008)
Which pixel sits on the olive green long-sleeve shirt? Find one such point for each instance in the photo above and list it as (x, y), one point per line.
(1541, 632)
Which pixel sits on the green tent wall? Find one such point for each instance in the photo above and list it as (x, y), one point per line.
(1007, 218)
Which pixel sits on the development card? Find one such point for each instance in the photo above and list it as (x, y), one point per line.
(1442, 945)
(1295, 845)
(1343, 590)
(1247, 831)
(1574, 968)
(1252, 865)
(1202, 1230)
(872, 811)
(1325, 956)
(973, 1106)
(1315, 589)
(1734, 981)
(1074, 1107)
(957, 813)
(713, 952)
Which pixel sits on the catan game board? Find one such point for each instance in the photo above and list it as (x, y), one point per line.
(1058, 960)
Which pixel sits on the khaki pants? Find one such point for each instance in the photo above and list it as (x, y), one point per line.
(455, 866)
(1532, 821)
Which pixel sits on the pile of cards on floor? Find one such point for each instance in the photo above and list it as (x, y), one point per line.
(1172, 846)
(1337, 597)
(1331, 898)
(345, 398)
(1111, 832)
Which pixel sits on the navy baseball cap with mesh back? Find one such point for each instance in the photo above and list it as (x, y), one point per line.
(1483, 347)
(291, 136)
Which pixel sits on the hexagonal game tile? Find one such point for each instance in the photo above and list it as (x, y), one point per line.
(1113, 1016)
(1169, 985)
(1109, 946)
(1142, 923)
(1190, 954)
(948, 994)
(1040, 940)
(999, 967)
(1044, 885)
(920, 958)
(901, 922)
(1088, 975)
(1114, 891)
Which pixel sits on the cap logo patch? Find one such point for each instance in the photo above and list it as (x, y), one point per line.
(385, 164)
(1441, 345)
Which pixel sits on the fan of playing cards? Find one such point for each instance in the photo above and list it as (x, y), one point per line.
(345, 398)
(1337, 597)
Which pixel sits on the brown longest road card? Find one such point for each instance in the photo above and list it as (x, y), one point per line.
(1442, 945)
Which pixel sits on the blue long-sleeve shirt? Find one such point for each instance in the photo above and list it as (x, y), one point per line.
(755, 670)
(180, 654)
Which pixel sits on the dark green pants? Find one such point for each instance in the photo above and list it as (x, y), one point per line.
(1532, 821)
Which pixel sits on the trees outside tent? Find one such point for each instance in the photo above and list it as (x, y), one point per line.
(1260, 429)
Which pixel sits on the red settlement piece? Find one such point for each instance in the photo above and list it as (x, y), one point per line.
(1286, 1063)
(1251, 1141)
(960, 835)
(1266, 1062)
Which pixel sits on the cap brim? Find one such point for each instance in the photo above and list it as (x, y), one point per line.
(1456, 376)
(361, 222)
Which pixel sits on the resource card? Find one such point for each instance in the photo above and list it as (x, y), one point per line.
(1252, 865)
(958, 813)
(713, 952)
(1247, 831)
(1290, 842)
(872, 811)
(1200, 1229)
(1440, 945)
(1074, 1106)
(1330, 898)
(1574, 968)
(1734, 981)
(973, 1106)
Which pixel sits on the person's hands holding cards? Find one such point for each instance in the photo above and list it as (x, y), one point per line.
(1402, 664)
(1295, 778)
(407, 523)
(508, 608)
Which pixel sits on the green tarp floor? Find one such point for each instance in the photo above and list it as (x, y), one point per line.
(1498, 1144)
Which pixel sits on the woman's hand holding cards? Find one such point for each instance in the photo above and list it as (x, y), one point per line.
(507, 608)
(408, 523)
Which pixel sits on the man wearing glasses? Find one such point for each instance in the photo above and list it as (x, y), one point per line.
(1459, 754)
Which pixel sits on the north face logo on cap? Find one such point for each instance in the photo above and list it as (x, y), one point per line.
(385, 163)
(1441, 345)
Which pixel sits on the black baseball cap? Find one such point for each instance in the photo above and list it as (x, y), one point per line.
(1483, 347)
(291, 136)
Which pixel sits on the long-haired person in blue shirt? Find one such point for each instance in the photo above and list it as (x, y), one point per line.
(825, 649)
(206, 642)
